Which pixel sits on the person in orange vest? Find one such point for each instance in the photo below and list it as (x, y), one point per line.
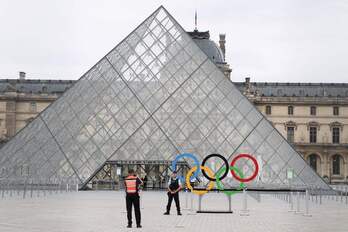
(132, 184)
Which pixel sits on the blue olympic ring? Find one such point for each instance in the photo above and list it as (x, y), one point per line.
(195, 160)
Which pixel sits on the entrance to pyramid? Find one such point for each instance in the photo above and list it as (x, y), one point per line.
(154, 174)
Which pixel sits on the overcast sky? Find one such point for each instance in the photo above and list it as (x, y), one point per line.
(268, 40)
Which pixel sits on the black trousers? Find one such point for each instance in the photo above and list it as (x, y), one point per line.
(176, 199)
(133, 199)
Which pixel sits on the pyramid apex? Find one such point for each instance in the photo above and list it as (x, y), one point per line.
(161, 7)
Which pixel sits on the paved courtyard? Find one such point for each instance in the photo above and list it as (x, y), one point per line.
(105, 211)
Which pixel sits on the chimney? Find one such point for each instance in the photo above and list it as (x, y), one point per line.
(247, 85)
(222, 42)
(21, 75)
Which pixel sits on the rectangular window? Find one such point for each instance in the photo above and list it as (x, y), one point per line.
(290, 134)
(33, 107)
(335, 135)
(290, 110)
(313, 110)
(336, 110)
(268, 110)
(312, 134)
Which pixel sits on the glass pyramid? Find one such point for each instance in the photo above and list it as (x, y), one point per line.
(153, 96)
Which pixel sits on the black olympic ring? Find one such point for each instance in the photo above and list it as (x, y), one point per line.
(223, 159)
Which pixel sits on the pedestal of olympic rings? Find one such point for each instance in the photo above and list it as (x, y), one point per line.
(217, 178)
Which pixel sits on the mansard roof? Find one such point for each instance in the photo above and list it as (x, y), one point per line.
(35, 86)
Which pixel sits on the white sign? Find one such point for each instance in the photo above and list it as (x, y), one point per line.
(260, 163)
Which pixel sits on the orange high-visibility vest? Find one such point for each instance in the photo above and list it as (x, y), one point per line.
(131, 184)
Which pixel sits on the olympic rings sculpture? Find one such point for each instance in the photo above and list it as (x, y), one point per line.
(219, 176)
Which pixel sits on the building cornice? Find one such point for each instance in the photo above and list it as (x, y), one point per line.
(336, 124)
(307, 146)
(300, 100)
(290, 124)
(28, 97)
(306, 123)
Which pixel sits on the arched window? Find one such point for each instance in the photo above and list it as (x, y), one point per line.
(336, 164)
(313, 161)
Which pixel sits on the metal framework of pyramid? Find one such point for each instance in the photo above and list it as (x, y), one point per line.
(155, 95)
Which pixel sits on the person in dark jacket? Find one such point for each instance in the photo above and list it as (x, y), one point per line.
(132, 184)
(174, 186)
(145, 182)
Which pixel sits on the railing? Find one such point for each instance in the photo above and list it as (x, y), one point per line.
(25, 188)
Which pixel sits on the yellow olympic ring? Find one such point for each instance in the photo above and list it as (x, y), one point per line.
(188, 184)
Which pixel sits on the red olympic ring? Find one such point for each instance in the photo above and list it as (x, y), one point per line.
(244, 180)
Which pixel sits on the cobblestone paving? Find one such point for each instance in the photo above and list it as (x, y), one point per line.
(105, 211)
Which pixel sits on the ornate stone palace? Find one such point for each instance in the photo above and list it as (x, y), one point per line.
(312, 116)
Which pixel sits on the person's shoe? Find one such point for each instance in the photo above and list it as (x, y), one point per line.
(139, 226)
(129, 226)
(166, 213)
(179, 214)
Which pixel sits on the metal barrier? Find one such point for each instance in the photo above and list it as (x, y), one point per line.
(34, 188)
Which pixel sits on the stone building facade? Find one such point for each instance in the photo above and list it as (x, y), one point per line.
(21, 100)
(312, 116)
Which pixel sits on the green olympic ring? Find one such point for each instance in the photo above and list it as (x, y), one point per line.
(219, 184)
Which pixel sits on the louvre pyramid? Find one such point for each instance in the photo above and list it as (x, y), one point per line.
(153, 96)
